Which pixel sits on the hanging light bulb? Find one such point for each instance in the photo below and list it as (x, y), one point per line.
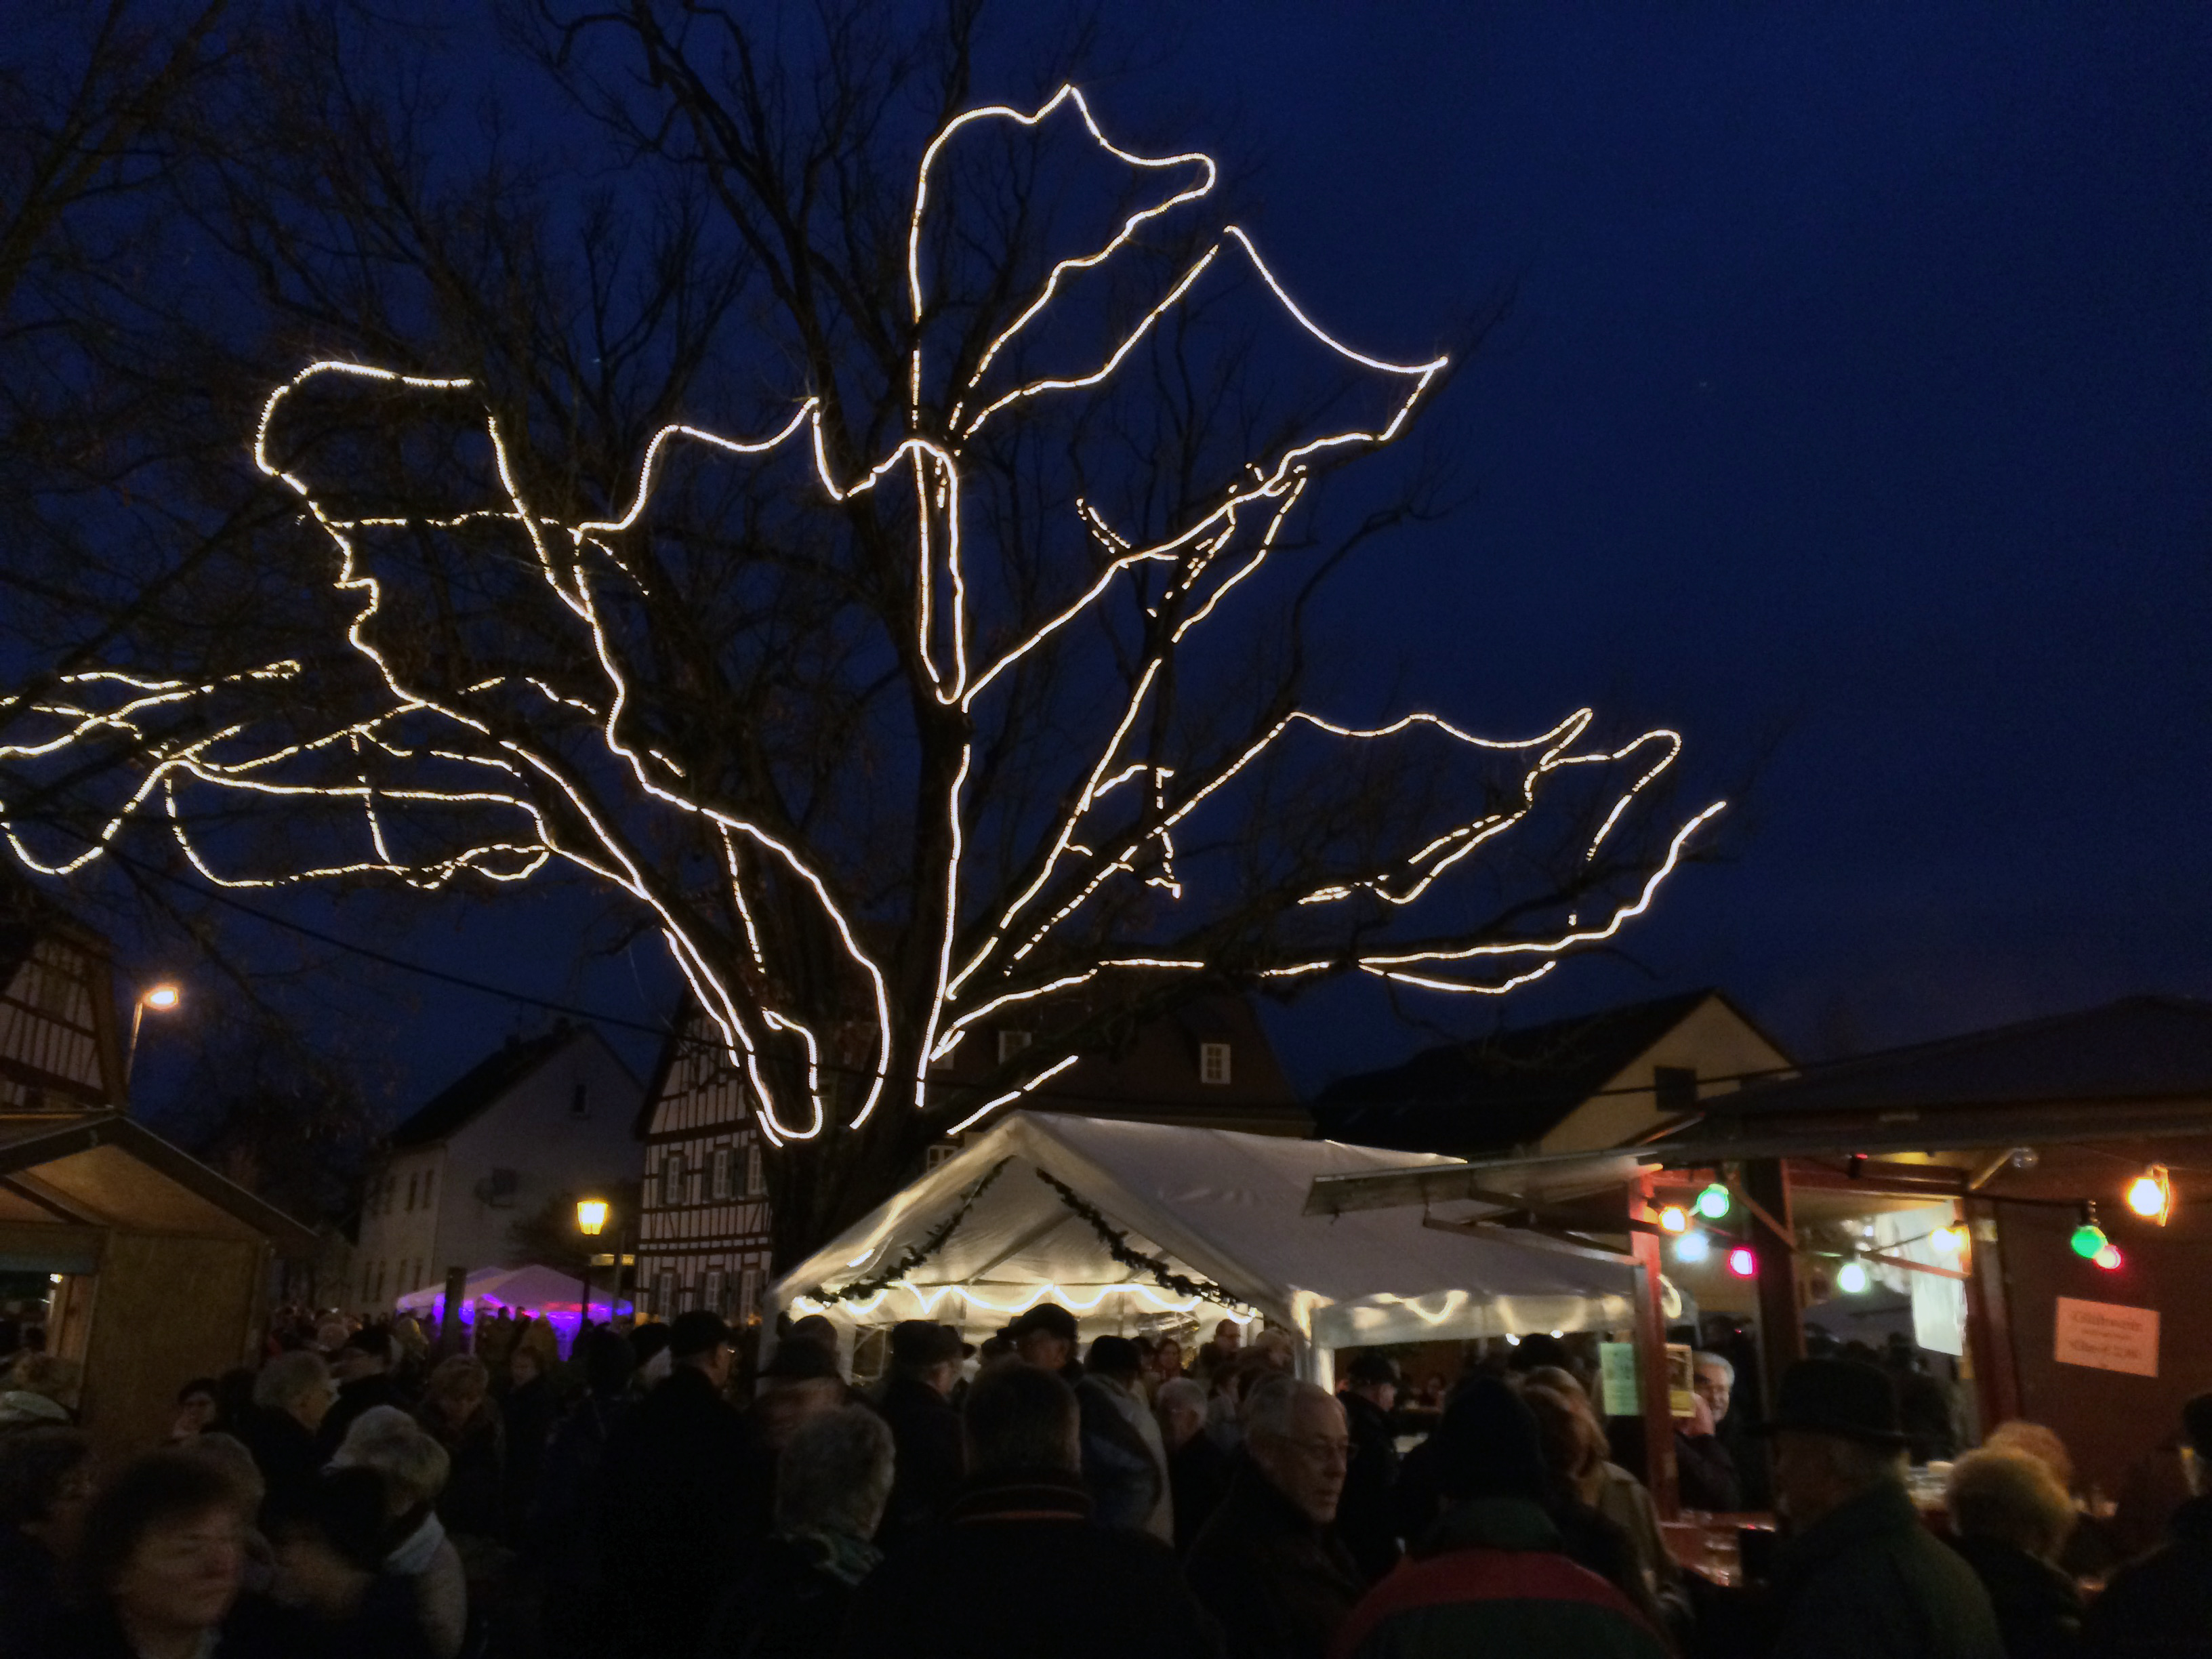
(1692, 1247)
(2151, 1194)
(2109, 1258)
(1674, 1219)
(1851, 1277)
(2088, 1237)
(1742, 1262)
(1948, 1240)
(1713, 1202)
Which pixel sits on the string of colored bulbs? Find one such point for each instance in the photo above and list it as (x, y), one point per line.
(2150, 1195)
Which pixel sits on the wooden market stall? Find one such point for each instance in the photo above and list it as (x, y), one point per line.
(1964, 1171)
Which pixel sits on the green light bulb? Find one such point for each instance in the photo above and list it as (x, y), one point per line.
(2089, 1239)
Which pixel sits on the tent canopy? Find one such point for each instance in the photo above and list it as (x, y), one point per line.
(1224, 1209)
(541, 1290)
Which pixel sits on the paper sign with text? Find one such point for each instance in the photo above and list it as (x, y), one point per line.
(1616, 1369)
(2108, 1337)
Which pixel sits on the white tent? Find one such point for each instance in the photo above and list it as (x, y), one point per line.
(1224, 1210)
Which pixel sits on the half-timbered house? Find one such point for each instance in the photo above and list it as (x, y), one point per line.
(702, 1220)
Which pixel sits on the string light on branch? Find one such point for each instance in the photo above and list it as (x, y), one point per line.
(566, 764)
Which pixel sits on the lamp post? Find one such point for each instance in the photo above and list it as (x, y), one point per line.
(161, 999)
(591, 1221)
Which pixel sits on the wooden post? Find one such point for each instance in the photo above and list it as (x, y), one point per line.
(1989, 1319)
(1650, 1339)
(1780, 1315)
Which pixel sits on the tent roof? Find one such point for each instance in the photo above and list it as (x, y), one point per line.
(1215, 1206)
(538, 1288)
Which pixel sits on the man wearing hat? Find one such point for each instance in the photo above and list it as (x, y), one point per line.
(931, 1460)
(1365, 1517)
(673, 1487)
(1860, 1577)
(1045, 1336)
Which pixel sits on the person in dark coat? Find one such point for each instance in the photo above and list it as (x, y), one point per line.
(457, 1412)
(1269, 1564)
(363, 1369)
(925, 1428)
(290, 1398)
(1703, 1465)
(527, 1412)
(2010, 1518)
(1017, 1545)
(799, 1383)
(1198, 1469)
(1124, 1462)
(1365, 1518)
(1862, 1578)
(832, 1484)
(330, 1569)
(1047, 1336)
(563, 1533)
(1492, 1577)
(671, 1493)
(2160, 1607)
(45, 1485)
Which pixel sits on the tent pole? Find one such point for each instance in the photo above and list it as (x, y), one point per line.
(1651, 1340)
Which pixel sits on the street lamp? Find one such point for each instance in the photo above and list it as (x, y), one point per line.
(591, 1221)
(161, 999)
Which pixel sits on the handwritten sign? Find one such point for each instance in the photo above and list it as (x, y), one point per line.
(2107, 1337)
(1616, 1369)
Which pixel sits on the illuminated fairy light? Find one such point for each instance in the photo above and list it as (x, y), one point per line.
(984, 952)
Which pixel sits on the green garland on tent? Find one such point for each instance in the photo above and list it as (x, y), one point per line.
(916, 1254)
(1117, 1246)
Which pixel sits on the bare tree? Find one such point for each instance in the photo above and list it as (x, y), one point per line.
(954, 674)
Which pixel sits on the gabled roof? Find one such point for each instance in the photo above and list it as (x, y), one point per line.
(460, 1103)
(1507, 1090)
(2139, 1049)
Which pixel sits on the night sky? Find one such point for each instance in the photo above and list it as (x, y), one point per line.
(1850, 417)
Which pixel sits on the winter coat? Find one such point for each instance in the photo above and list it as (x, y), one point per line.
(362, 1394)
(529, 1413)
(473, 1503)
(792, 1599)
(1280, 1584)
(425, 1561)
(1707, 1473)
(285, 1451)
(1199, 1471)
(931, 1459)
(1867, 1580)
(1128, 1485)
(1016, 1570)
(2039, 1607)
(1490, 1579)
(564, 1535)
(672, 1490)
(1365, 1518)
(2159, 1607)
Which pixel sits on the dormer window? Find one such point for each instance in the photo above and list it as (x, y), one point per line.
(1011, 1043)
(1214, 1063)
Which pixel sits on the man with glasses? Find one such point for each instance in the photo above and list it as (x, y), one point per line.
(1268, 1565)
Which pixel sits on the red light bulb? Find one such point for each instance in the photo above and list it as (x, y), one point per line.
(1742, 1262)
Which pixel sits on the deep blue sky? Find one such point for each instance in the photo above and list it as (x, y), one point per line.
(1851, 416)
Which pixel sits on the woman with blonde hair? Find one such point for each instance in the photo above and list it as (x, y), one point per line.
(2010, 1518)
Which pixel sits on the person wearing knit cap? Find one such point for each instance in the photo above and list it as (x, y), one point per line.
(1492, 1576)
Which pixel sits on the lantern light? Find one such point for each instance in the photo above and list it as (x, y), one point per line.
(591, 1216)
(2088, 1237)
(1851, 1277)
(1673, 1219)
(1692, 1247)
(2109, 1258)
(2151, 1194)
(1713, 1202)
(1742, 1262)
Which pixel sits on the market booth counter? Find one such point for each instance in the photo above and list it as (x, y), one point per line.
(1153, 1228)
(158, 1265)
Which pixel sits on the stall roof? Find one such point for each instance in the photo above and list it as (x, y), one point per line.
(101, 1168)
(1214, 1205)
(2140, 1048)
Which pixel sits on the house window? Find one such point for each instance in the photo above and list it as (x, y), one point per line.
(719, 1182)
(1011, 1043)
(755, 1171)
(1675, 1089)
(942, 1152)
(412, 1180)
(718, 1291)
(1213, 1062)
(429, 1176)
(748, 1286)
(671, 1180)
(664, 1293)
(578, 1104)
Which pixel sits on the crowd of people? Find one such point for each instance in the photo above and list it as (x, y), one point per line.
(360, 1495)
